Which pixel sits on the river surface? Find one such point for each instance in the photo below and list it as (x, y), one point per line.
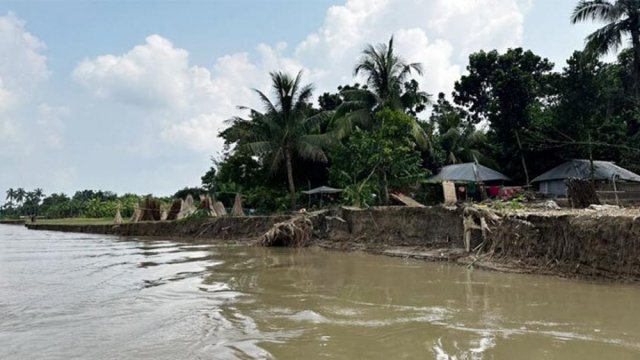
(79, 296)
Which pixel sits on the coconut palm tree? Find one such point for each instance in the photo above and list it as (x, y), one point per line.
(388, 85)
(462, 143)
(33, 199)
(38, 194)
(285, 129)
(11, 195)
(385, 72)
(621, 19)
(20, 195)
(460, 140)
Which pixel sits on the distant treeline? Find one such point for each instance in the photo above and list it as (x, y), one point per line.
(84, 203)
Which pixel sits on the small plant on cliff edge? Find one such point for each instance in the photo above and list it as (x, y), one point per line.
(513, 204)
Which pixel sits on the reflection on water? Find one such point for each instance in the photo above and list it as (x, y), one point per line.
(66, 296)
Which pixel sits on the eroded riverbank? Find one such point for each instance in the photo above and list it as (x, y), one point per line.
(583, 243)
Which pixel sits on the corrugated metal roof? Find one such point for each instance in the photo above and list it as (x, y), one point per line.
(580, 168)
(468, 172)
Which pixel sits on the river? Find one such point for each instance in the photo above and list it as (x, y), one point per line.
(79, 296)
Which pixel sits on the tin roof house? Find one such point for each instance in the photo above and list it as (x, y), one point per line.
(552, 182)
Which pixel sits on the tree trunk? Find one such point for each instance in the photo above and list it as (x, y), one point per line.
(292, 186)
(524, 163)
(385, 188)
(592, 171)
(635, 40)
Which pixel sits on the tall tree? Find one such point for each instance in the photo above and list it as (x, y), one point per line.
(285, 129)
(32, 200)
(589, 117)
(11, 195)
(388, 86)
(385, 72)
(386, 155)
(505, 90)
(459, 140)
(20, 195)
(621, 18)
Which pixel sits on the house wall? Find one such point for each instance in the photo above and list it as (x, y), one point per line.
(553, 187)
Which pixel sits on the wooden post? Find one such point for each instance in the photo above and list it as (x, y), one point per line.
(615, 189)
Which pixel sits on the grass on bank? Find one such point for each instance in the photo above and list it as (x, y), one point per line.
(76, 221)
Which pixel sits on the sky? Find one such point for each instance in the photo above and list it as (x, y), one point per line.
(129, 95)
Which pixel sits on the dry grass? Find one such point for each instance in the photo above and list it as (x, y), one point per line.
(295, 232)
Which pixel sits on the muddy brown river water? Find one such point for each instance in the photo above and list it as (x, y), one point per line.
(79, 296)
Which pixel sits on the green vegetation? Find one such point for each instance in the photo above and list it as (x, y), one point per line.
(621, 19)
(83, 204)
(286, 129)
(510, 111)
(77, 221)
(373, 161)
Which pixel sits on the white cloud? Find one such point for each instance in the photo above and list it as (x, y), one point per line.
(439, 71)
(6, 98)
(189, 102)
(51, 124)
(344, 27)
(198, 133)
(22, 69)
(194, 100)
(22, 65)
(153, 74)
(8, 131)
(439, 33)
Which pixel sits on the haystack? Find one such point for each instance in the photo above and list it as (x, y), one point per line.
(150, 210)
(237, 206)
(187, 208)
(581, 193)
(136, 214)
(218, 208)
(207, 205)
(174, 210)
(118, 218)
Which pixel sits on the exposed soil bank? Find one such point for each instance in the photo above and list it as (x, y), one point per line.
(582, 243)
(435, 226)
(570, 243)
(12, 222)
(223, 228)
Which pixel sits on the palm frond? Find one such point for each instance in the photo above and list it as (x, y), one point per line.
(260, 147)
(606, 39)
(421, 138)
(295, 85)
(344, 123)
(303, 98)
(308, 150)
(594, 10)
(318, 119)
(362, 95)
(323, 141)
(385, 71)
(275, 158)
(265, 101)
